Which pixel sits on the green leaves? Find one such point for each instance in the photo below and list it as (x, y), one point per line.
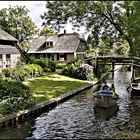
(14, 96)
(116, 20)
(15, 21)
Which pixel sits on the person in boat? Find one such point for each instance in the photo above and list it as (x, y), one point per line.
(105, 86)
(113, 89)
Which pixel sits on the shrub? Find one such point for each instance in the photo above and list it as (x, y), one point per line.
(33, 69)
(51, 65)
(20, 64)
(24, 72)
(71, 67)
(60, 66)
(41, 62)
(85, 72)
(46, 64)
(77, 69)
(19, 74)
(1, 76)
(14, 96)
(7, 71)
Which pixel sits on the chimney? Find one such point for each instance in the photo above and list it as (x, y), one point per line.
(64, 32)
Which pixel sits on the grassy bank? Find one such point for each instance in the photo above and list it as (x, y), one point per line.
(52, 85)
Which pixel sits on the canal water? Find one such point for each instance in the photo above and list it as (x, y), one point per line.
(78, 119)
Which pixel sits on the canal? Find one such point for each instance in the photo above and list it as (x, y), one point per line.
(77, 118)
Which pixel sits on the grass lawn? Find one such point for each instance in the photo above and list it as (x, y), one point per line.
(52, 85)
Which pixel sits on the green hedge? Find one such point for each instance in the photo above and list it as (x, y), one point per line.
(14, 96)
(46, 64)
(24, 72)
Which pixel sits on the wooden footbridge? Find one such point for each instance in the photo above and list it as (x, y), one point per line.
(114, 60)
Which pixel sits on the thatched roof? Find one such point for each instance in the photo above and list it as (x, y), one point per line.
(8, 49)
(5, 36)
(64, 43)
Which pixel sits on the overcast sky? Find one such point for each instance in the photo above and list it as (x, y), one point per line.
(36, 9)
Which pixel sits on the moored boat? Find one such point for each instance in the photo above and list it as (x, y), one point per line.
(135, 89)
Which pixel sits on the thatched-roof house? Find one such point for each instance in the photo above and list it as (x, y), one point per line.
(9, 50)
(59, 47)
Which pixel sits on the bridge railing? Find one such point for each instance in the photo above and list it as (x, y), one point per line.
(118, 59)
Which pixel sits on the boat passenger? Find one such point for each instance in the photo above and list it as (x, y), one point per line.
(105, 86)
(113, 89)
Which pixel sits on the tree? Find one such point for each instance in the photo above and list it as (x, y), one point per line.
(15, 21)
(47, 30)
(101, 18)
(134, 28)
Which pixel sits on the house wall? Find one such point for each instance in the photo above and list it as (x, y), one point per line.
(81, 47)
(14, 58)
(70, 56)
(81, 50)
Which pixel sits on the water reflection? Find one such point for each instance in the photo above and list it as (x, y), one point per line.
(77, 118)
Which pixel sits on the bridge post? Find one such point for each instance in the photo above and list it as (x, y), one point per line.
(113, 66)
(133, 74)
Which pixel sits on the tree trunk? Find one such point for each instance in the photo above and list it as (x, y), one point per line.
(131, 51)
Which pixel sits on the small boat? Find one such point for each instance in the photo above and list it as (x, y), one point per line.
(105, 99)
(135, 89)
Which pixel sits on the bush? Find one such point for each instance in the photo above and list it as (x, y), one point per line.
(33, 69)
(46, 64)
(69, 70)
(24, 72)
(51, 65)
(7, 72)
(1, 76)
(14, 96)
(85, 72)
(71, 67)
(20, 64)
(77, 69)
(19, 74)
(60, 66)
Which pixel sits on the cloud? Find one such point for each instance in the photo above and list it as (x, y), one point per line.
(36, 8)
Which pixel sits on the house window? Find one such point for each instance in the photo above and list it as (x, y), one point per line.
(52, 56)
(61, 57)
(49, 44)
(33, 55)
(7, 57)
(41, 55)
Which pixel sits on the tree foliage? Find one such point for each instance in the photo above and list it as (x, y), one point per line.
(103, 19)
(15, 21)
(47, 31)
(134, 28)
